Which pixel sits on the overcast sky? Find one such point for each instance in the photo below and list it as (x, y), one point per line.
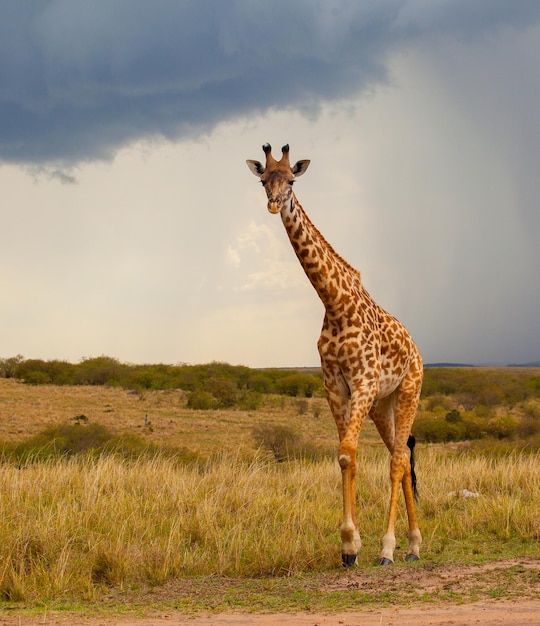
(132, 227)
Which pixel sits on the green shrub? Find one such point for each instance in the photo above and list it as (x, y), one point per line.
(299, 385)
(439, 401)
(529, 427)
(224, 391)
(250, 401)
(474, 428)
(201, 400)
(37, 378)
(501, 427)
(432, 429)
(61, 440)
(9, 367)
(69, 440)
(286, 443)
(102, 370)
(454, 417)
(472, 386)
(261, 382)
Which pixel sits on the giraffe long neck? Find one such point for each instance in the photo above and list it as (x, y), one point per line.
(336, 282)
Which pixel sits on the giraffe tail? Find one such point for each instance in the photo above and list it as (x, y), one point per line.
(411, 442)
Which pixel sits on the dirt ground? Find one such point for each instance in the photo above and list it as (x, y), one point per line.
(516, 613)
(498, 592)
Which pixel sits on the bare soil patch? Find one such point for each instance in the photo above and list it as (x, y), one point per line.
(494, 612)
(498, 592)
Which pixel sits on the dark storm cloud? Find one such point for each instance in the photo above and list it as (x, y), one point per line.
(79, 79)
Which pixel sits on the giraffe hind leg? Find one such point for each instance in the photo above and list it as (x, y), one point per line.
(403, 407)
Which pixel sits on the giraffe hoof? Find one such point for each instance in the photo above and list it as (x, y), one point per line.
(348, 560)
(384, 561)
(412, 557)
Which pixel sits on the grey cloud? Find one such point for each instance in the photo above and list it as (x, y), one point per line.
(63, 177)
(79, 80)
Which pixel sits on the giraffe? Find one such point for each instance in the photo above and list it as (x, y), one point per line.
(370, 363)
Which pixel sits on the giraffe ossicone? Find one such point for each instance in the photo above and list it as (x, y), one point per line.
(370, 364)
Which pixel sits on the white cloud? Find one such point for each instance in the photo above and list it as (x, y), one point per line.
(233, 257)
(264, 260)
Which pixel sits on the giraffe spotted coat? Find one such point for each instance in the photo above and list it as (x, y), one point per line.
(370, 363)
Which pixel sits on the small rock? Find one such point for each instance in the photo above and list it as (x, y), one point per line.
(464, 493)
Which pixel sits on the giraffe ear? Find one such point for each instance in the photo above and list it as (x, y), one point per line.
(256, 167)
(300, 167)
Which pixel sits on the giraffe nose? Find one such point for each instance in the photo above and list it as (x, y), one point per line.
(273, 206)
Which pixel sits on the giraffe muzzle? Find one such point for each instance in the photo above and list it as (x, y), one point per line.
(273, 207)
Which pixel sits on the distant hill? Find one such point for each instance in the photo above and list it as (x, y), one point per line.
(449, 365)
(316, 369)
(444, 364)
(531, 364)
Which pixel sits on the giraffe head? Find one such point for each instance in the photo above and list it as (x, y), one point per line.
(278, 177)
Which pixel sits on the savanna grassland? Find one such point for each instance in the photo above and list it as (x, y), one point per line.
(128, 496)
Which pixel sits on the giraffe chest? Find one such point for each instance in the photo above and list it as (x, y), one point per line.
(378, 355)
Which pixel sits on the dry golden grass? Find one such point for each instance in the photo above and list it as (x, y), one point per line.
(26, 410)
(71, 528)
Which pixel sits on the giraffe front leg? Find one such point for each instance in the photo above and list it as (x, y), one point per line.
(349, 408)
(350, 537)
(361, 399)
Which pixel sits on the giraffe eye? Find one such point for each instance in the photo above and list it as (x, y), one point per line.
(291, 183)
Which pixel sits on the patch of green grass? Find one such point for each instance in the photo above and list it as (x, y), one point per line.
(326, 592)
